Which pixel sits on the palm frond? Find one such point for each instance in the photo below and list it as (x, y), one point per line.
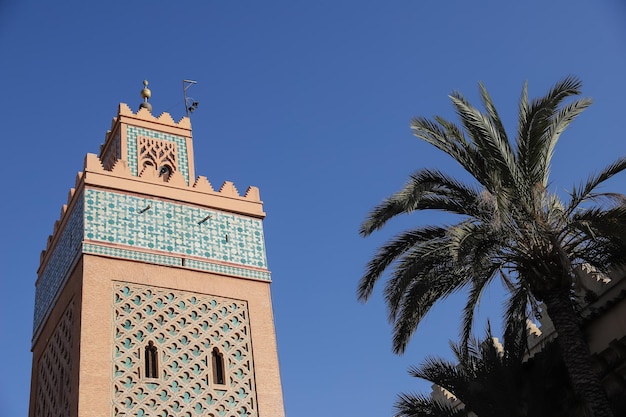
(420, 264)
(599, 237)
(516, 318)
(478, 284)
(534, 126)
(419, 297)
(390, 252)
(522, 135)
(452, 141)
(493, 114)
(560, 121)
(416, 405)
(445, 140)
(426, 190)
(490, 141)
(585, 191)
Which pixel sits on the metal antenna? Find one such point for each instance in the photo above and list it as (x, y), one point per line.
(190, 104)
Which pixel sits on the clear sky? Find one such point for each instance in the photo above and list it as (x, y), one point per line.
(311, 102)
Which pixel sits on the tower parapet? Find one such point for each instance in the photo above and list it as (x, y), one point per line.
(139, 200)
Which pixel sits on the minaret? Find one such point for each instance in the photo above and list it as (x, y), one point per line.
(153, 293)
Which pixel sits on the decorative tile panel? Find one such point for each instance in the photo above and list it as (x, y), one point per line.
(132, 134)
(144, 223)
(231, 244)
(60, 263)
(54, 370)
(184, 327)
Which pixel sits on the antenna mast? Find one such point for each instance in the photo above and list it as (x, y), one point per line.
(190, 104)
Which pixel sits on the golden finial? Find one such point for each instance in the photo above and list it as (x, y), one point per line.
(146, 93)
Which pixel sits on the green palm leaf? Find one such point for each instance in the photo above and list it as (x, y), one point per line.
(511, 226)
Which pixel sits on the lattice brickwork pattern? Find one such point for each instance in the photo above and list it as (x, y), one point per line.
(156, 153)
(113, 153)
(132, 134)
(54, 371)
(185, 327)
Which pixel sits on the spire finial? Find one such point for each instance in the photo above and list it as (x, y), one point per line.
(145, 93)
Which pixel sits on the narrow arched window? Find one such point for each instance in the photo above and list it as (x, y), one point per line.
(165, 172)
(150, 359)
(217, 359)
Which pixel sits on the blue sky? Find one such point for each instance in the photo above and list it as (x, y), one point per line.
(311, 102)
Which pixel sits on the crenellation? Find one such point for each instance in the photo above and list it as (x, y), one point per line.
(164, 118)
(113, 122)
(253, 193)
(121, 170)
(228, 188)
(93, 163)
(120, 167)
(202, 184)
(533, 329)
(78, 180)
(177, 179)
(62, 215)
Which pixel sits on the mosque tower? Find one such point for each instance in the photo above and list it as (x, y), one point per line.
(153, 293)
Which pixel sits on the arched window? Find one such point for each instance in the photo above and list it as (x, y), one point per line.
(165, 172)
(217, 359)
(150, 359)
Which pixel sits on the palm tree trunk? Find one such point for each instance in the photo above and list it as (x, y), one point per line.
(575, 352)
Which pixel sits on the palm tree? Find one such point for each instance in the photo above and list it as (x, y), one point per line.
(510, 227)
(491, 380)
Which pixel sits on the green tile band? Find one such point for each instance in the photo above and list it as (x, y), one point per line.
(145, 223)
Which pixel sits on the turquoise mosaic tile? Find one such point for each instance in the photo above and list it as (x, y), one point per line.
(131, 137)
(132, 255)
(59, 264)
(144, 223)
(175, 229)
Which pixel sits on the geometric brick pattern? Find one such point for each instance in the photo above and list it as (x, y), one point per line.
(141, 222)
(132, 135)
(54, 371)
(185, 328)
